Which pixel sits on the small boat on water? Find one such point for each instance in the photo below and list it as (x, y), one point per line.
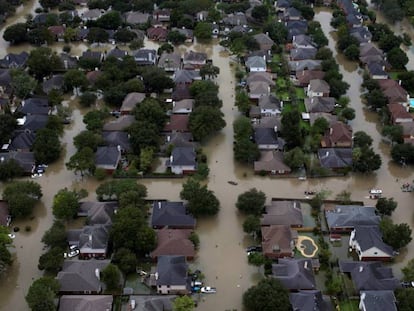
(375, 191)
(208, 290)
(309, 192)
(232, 183)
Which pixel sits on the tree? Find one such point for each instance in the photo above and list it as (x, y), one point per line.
(183, 303)
(242, 128)
(22, 83)
(124, 35)
(242, 102)
(407, 80)
(365, 160)
(392, 10)
(393, 132)
(52, 260)
(146, 158)
(175, 37)
(277, 32)
(150, 110)
(251, 225)
(112, 190)
(403, 153)
(7, 125)
(49, 3)
(397, 58)
(268, 294)
(83, 161)
(386, 206)
(260, 13)
(66, 203)
(96, 34)
(209, 71)
(95, 119)
(362, 139)
(111, 277)
(376, 99)
(87, 139)
(5, 257)
(405, 298)
(125, 260)
(46, 146)
(204, 121)
(344, 197)
(201, 201)
(111, 20)
(295, 158)
(132, 198)
(291, 129)
(42, 294)
(16, 33)
(348, 113)
(352, 52)
(74, 78)
(408, 271)
(22, 197)
(156, 80)
(202, 31)
(39, 36)
(251, 202)
(143, 134)
(256, 259)
(10, 169)
(42, 62)
(55, 236)
(246, 151)
(395, 235)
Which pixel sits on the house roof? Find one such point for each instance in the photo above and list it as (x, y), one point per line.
(131, 100)
(117, 138)
(375, 300)
(283, 3)
(306, 64)
(92, 76)
(13, 60)
(260, 77)
(313, 116)
(120, 124)
(338, 132)
(35, 105)
(319, 85)
(80, 275)
(184, 104)
(182, 156)
(179, 139)
(172, 270)
(408, 128)
(370, 275)
(303, 53)
(117, 53)
(362, 34)
(178, 122)
(259, 88)
(292, 12)
(283, 213)
(256, 62)
(269, 122)
(294, 273)
(271, 161)
(319, 104)
(186, 76)
(376, 69)
(34, 122)
(398, 111)
(181, 91)
(22, 140)
(263, 39)
(171, 214)
(265, 136)
(371, 236)
(169, 60)
(310, 300)
(334, 158)
(270, 102)
(107, 156)
(191, 57)
(98, 212)
(303, 40)
(153, 303)
(277, 239)
(85, 303)
(5, 78)
(4, 213)
(136, 18)
(145, 56)
(157, 33)
(26, 160)
(174, 242)
(92, 55)
(54, 83)
(234, 19)
(351, 216)
(369, 49)
(304, 76)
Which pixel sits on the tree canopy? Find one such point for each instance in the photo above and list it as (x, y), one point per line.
(183, 303)
(385, 206)
(111, 276)
(46, 146)
(395, 235)
(268, 294)
(201, 201)
(113, 189)
(204, 121)
(42, 294)
(251, 202)
(22, 197)
(66, 203)
(43, 61)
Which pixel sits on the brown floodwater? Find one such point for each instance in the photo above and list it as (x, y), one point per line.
(221, 256)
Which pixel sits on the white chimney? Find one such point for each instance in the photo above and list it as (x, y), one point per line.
(159, 204)
(119, 148)
(306, 265)
(275, 128)
(97, 274)
(171, 159)
(361, 268)
(399, 82)
(90, 237)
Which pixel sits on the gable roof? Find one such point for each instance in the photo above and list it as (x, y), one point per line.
(107, 156)
(351, 216)
(370, 275)
(303, 53)
(171, 214)
(294, 273)
(277, 239)
(271, 161)
(26, 160)
(309, 300)
(131, 100)
(375, 300)
(85, 303)
(22, 140)
(80, 275)
(335, 157)
(338, 133)
(172, 270)
(283, 213)
(34, 105)
(117, 138)
(119, 124)
(256, 62)
(319, 85)
(174, 242)
(371, 236)
(98, 212)
(183, 156)
(177, 122)
(319, 104)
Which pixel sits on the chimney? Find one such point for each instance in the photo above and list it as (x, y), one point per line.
(361, 268)
(118, 148)
(65, 63)
(97, 274)
(330, 131)
(326, 154)
(306, 265)
(90, 237)
(171, 159)
(275, 128)
(399, 82)
(159, 204)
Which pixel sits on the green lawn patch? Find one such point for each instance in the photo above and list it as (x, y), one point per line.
(394, 75)
(300, 93)
(349, 305)
(276, 58)
(281, 83)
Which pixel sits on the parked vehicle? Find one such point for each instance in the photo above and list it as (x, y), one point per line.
(71, 254)
(254, 248)
(208, 290)
(407, 284)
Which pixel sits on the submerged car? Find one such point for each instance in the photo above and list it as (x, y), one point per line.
(208, 290)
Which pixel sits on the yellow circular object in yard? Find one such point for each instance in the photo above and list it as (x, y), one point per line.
(306, 246)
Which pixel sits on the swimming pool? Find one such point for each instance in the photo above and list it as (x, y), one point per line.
(411, 101)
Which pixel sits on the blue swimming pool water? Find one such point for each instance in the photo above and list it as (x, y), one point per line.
(411, 101)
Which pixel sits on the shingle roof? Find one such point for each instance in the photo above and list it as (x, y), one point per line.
(153, 303)
(283, 213)
(183, 156)
(131, 100)
(335, 157)
(98, 212)
(117, 138)
(174, 242)
(107, 156)
(271, 161)
(351, 216)
(318, 85)
(172, 270)
(26, 160)
(171, 214)
(371, 236)
(309, 300)
(85, 303)
(320, 104)
(120, 124)
(35, 122)
(294, 273)
(277, 239)
(379, 300)
(370, 275)
(34, 106)
(22, 140)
